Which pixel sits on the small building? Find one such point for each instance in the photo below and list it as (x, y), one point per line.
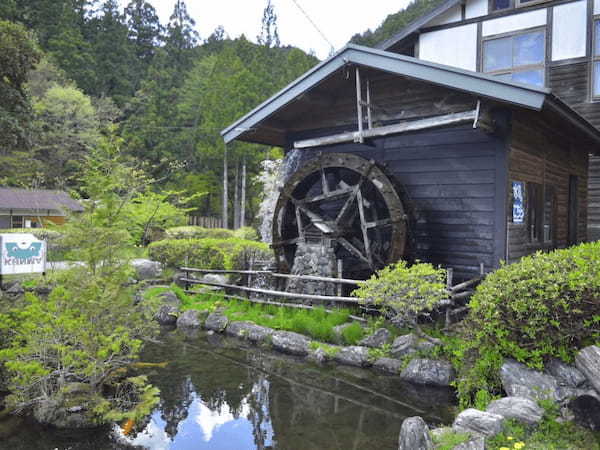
(396, 157)
(32, 208)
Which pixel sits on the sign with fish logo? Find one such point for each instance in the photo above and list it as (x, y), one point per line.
(22, 253)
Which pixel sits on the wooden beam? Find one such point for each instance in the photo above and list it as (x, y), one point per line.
(322, 298)
(275, 274)
(422, 124)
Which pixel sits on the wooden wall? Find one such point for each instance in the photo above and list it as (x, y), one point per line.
(594, 200)
(452, 181)
(542, 152)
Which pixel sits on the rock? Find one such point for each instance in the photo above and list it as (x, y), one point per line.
(167, 315)
(377, 339)
(565, 375)
(414, 435)
(249, 331)
(429, 372)
(169, 298)
(70, 408)
(216, 322)
(146, 269)
(338, 337)
(588, 361)
(189, 319)
(520, 381)
(388, 365)
(178, 279)
(353, 356)
(317, 355)
(409, 343)
(522, 409)
(475, 443)
(586, 411)
(15, 289)
(479, 422)
(214, 278)
(290, 342)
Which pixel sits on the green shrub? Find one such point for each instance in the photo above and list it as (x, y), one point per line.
(405, 290)
(231, 254)
(195, 232)
(247, 233)
(353, 333)
(546, 305)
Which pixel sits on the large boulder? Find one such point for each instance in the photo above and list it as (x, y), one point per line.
(353, 356)
(521, 409)
(190, 319)
(428, 372)
(391, 366)
(588, 361)
(565, 374)
(216, 322)
(146, 269)
(70, 408)
(290, 342)
(377, 339)
(478, 422)
(520, 381)
(249, 331)
(414, 435)
(409, 343)
(15, 289)
(167, 315)
(586, 411)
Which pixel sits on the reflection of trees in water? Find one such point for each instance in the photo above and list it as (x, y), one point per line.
(175, 405)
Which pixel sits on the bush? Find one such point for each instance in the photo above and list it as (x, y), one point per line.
(405, 290)
(231, 254)
(546, 305)
(247, 233)
(194, 232)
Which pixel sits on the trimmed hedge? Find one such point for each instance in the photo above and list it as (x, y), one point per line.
(230, 254)
(546, 305)
(194, 232)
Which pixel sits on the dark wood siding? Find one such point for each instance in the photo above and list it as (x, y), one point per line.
(594, 200)
(542, 154)
(447, 179)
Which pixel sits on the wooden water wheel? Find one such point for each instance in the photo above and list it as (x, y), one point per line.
(347, 202)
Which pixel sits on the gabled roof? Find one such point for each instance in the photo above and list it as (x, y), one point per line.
(478, 84)
(37, 199)
(414, 26)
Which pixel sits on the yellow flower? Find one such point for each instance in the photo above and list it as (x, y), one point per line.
(510, 438)
(519, 445)
(504, 448)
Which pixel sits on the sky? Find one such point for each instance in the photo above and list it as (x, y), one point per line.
(338, 20)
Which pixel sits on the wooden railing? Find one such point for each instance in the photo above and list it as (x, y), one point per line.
(205, 221)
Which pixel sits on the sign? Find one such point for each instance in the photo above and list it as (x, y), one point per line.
(22, 253)
(518, 202)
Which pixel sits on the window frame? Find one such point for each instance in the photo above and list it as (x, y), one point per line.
(514, 4)
(594, 97)
(526, 68)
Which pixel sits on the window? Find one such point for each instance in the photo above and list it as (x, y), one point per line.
(534, 212)
(500, 5)
(596, 61)
(533, 208)
(549, 206)
(17, 222)
(517, 58)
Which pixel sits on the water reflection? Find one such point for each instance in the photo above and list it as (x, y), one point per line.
(216, 395)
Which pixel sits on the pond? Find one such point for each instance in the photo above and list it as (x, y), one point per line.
(217, 393)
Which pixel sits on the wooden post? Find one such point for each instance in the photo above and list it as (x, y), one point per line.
(481, 269)
(369, 114)
(449, 281)
(243, 206)
(359, 109)
(236, 198)
(340, 269)
(225, 194)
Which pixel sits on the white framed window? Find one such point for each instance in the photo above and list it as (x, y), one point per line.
(518, 57)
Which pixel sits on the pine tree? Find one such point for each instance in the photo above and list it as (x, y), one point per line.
(181, 36)
(145, 31)
(269, 36)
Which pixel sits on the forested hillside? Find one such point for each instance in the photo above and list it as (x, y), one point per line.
(395, 22)
(73, 72)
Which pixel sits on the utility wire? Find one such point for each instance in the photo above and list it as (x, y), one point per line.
(314, 25)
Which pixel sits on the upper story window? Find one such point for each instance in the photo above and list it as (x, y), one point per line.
(519, 57)
(596, 61)
(500, 5)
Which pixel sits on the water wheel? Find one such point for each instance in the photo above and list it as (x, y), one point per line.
(344, 201)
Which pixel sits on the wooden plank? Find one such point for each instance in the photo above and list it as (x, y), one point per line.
(323, 298)
(275, 274)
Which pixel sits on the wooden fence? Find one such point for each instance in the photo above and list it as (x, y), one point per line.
(205, 221)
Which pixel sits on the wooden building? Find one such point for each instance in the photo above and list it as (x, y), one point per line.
(32, 208)
(552, 43)
(400, 157)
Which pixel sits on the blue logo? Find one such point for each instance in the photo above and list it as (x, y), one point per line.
(14, 251)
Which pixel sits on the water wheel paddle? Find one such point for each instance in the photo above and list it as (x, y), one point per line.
(347, 202)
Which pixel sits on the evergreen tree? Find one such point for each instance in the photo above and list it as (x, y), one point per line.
(181, 36)
(269, 36)
(145, 32)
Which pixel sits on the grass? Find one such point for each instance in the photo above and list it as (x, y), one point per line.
(316, 323)
(450, 439)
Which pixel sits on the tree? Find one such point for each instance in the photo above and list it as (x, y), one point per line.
(145, 32)
(89, 327)
(181, 37)
(269, 36)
